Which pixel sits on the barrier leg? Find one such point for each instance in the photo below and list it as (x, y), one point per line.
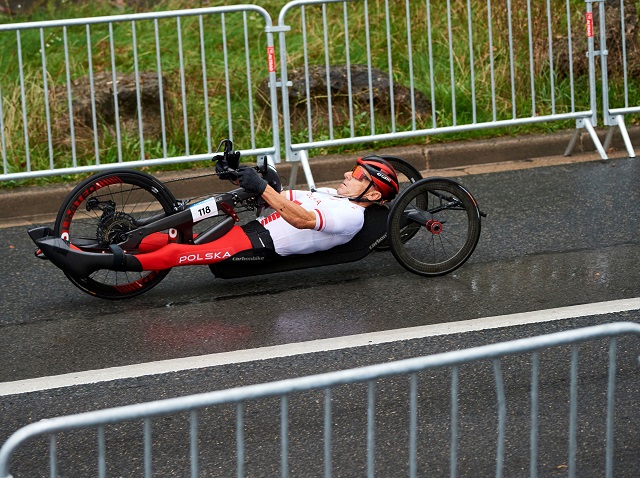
(301, 157)
(572, 142)
(619, 121)
(625, 136)
(607, 140)
(293, 177)
(594, 137)
(304, 160)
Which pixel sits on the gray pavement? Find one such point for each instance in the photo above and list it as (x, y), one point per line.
(477, 427)
(554, 236)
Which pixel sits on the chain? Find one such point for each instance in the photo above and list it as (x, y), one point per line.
(188, 200)
(190, 177)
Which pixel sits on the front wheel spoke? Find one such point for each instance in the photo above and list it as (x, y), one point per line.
(430, 249)
(450, 233)
(442, 244)
(437, 247)
(445, 238)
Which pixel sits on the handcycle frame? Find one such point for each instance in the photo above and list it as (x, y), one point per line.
(385, 227)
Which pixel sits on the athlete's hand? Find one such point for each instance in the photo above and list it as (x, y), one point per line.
(250, 180)
(224, 172)
(220, 164)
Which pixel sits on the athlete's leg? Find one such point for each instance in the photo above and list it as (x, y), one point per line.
(156, 241)
(153, 242)
(173, 254)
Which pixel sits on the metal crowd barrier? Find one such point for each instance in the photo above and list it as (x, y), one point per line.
(145, 57)
(449, 80)
(285, 392)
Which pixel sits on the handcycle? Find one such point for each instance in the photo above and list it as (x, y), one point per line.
(432, 227)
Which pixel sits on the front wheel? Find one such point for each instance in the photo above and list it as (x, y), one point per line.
(445, 223)
(99, 212)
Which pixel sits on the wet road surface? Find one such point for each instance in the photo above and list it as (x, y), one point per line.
(554, 237)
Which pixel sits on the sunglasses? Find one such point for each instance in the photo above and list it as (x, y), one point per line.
(359, 174)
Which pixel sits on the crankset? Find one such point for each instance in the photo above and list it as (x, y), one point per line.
(113, 227)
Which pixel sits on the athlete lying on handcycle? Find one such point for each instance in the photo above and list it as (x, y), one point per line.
(303, 221)
(119, 232)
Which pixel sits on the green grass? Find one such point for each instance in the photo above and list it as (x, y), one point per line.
(39, 153)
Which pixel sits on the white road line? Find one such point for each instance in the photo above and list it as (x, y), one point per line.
(287, 350)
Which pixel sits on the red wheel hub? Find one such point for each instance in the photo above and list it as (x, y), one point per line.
(434, 227)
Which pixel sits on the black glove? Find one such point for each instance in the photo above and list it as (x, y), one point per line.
(223, 170)
(251, 181)
(220, 164)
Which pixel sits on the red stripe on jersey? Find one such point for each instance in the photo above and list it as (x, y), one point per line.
(321, 225)
(270, 218)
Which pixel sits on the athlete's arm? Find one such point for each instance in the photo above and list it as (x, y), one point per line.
(291, 212)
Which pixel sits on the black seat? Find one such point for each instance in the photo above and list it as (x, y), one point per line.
(265, 261)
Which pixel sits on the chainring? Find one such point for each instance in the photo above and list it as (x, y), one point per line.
(113, 227)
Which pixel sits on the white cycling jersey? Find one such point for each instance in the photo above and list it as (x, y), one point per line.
(337, 221)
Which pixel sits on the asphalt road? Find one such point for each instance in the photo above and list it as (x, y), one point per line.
(554, 237)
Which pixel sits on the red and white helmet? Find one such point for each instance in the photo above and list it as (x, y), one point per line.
(383, 175)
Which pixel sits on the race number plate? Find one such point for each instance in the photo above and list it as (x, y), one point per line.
(204, 209)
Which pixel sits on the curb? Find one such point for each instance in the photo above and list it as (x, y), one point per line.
(16, 205)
